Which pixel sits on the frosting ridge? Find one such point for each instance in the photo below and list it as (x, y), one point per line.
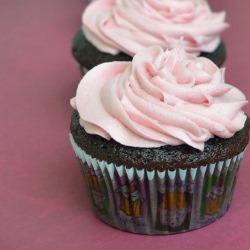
(127, 26)
(160, 98)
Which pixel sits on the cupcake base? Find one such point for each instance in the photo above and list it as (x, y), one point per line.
(88, 56)
(158, 202)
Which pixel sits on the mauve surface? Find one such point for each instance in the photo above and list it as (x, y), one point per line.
(43, 202)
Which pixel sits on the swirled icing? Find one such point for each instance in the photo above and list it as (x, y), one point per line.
(160, 98)
(127, 26)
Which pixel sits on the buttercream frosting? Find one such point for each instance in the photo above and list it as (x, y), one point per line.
(127, 26)
(160, 98)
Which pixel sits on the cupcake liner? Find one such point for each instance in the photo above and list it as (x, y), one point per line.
(154, 202)
(83, 70)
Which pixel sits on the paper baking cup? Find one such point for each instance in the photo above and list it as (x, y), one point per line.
(154, 202)
(82, 69)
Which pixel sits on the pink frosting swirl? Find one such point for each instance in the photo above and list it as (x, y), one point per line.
(160, 98)
(129, 26)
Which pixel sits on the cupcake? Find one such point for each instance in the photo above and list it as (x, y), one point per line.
(160, 140)
(116, 30)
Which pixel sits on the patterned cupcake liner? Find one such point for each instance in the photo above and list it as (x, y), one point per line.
(154, 202)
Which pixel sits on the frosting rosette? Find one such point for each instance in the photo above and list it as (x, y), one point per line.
(160, 98)
(127, 26)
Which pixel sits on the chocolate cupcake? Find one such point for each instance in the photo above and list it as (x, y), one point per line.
(116, 30)
(159, 140)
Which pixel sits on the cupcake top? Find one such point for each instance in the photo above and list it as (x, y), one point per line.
(160, 98)
(127, 26)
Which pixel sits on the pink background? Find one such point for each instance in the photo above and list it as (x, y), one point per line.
(43, 202)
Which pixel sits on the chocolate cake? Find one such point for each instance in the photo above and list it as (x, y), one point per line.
(88, 56)
(162, 158)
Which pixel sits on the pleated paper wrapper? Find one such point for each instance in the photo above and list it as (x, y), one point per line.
(154, 202)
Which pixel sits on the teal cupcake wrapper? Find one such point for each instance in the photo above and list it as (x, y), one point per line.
(154, 202)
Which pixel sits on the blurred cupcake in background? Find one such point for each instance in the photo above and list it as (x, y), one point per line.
(116, 30)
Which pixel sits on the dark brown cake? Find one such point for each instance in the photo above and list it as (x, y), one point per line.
(88, 56)
(165, 157)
